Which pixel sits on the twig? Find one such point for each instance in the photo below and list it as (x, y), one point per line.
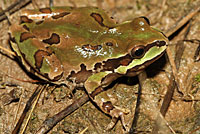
(7, 51)
(178, 25)
(84, 130)
(18, 107)
(33, 107)
(142, 76)
(49, 123)
(27, 107)
(13, 8)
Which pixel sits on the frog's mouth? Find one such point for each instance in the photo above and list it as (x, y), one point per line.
(153, 51)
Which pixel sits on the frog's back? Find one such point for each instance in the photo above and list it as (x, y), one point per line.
(54, 32)
(55, 41)
(83, 17)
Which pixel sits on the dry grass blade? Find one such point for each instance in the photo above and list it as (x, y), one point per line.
(8, 51)
(26, 109)
(13, 8)
(170, 33)
(32, 108)
(49, 123)
(84, 130)
(197, 52)
(141, 77)
(193, 132)
(170, 91)
(18, 107)
(178, 25)
(161, 123)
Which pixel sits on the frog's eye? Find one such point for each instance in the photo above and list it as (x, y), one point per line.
(146, 19)
(138, 52)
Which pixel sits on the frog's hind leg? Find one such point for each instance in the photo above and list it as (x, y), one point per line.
(107, 106)
(95, 88)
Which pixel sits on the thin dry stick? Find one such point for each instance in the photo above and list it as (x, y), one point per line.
(33, 107)
(7, 51)
(182, 22)
(84, 130)
(169, 53)
(162, 8)
(49, 123)
(170, 91)
(160, 121)
(13, 8)
(193, 131)
(18, 106)
(28, 104)
(35, 5)
(167, 124)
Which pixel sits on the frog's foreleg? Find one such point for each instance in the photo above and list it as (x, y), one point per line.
(95, 87)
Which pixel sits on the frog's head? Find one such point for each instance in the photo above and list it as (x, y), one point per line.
(144, 45)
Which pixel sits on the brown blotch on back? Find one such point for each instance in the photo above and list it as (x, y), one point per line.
(54, 39)
(39, 56)
(25, 27)
(26, 35)
(60, 15)
(91, 48)
(45, 10)
(81, 76)
(39, 22)
(98, 18)
(97, 66)
(107, 106)
(25, 19)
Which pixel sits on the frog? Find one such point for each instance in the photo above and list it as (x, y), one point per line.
(85, 47)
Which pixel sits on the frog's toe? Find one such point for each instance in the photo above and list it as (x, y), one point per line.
(118, 113)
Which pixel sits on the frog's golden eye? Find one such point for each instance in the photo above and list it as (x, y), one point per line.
(138, 52)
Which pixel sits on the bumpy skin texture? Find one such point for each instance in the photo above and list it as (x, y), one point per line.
(86, 47)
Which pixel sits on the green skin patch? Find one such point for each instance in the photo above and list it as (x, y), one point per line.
(152, 53)
(94, 81)
(45, 66)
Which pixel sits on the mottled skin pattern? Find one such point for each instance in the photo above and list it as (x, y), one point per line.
(85, 47)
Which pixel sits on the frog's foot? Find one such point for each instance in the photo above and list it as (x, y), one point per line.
(118, 113)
